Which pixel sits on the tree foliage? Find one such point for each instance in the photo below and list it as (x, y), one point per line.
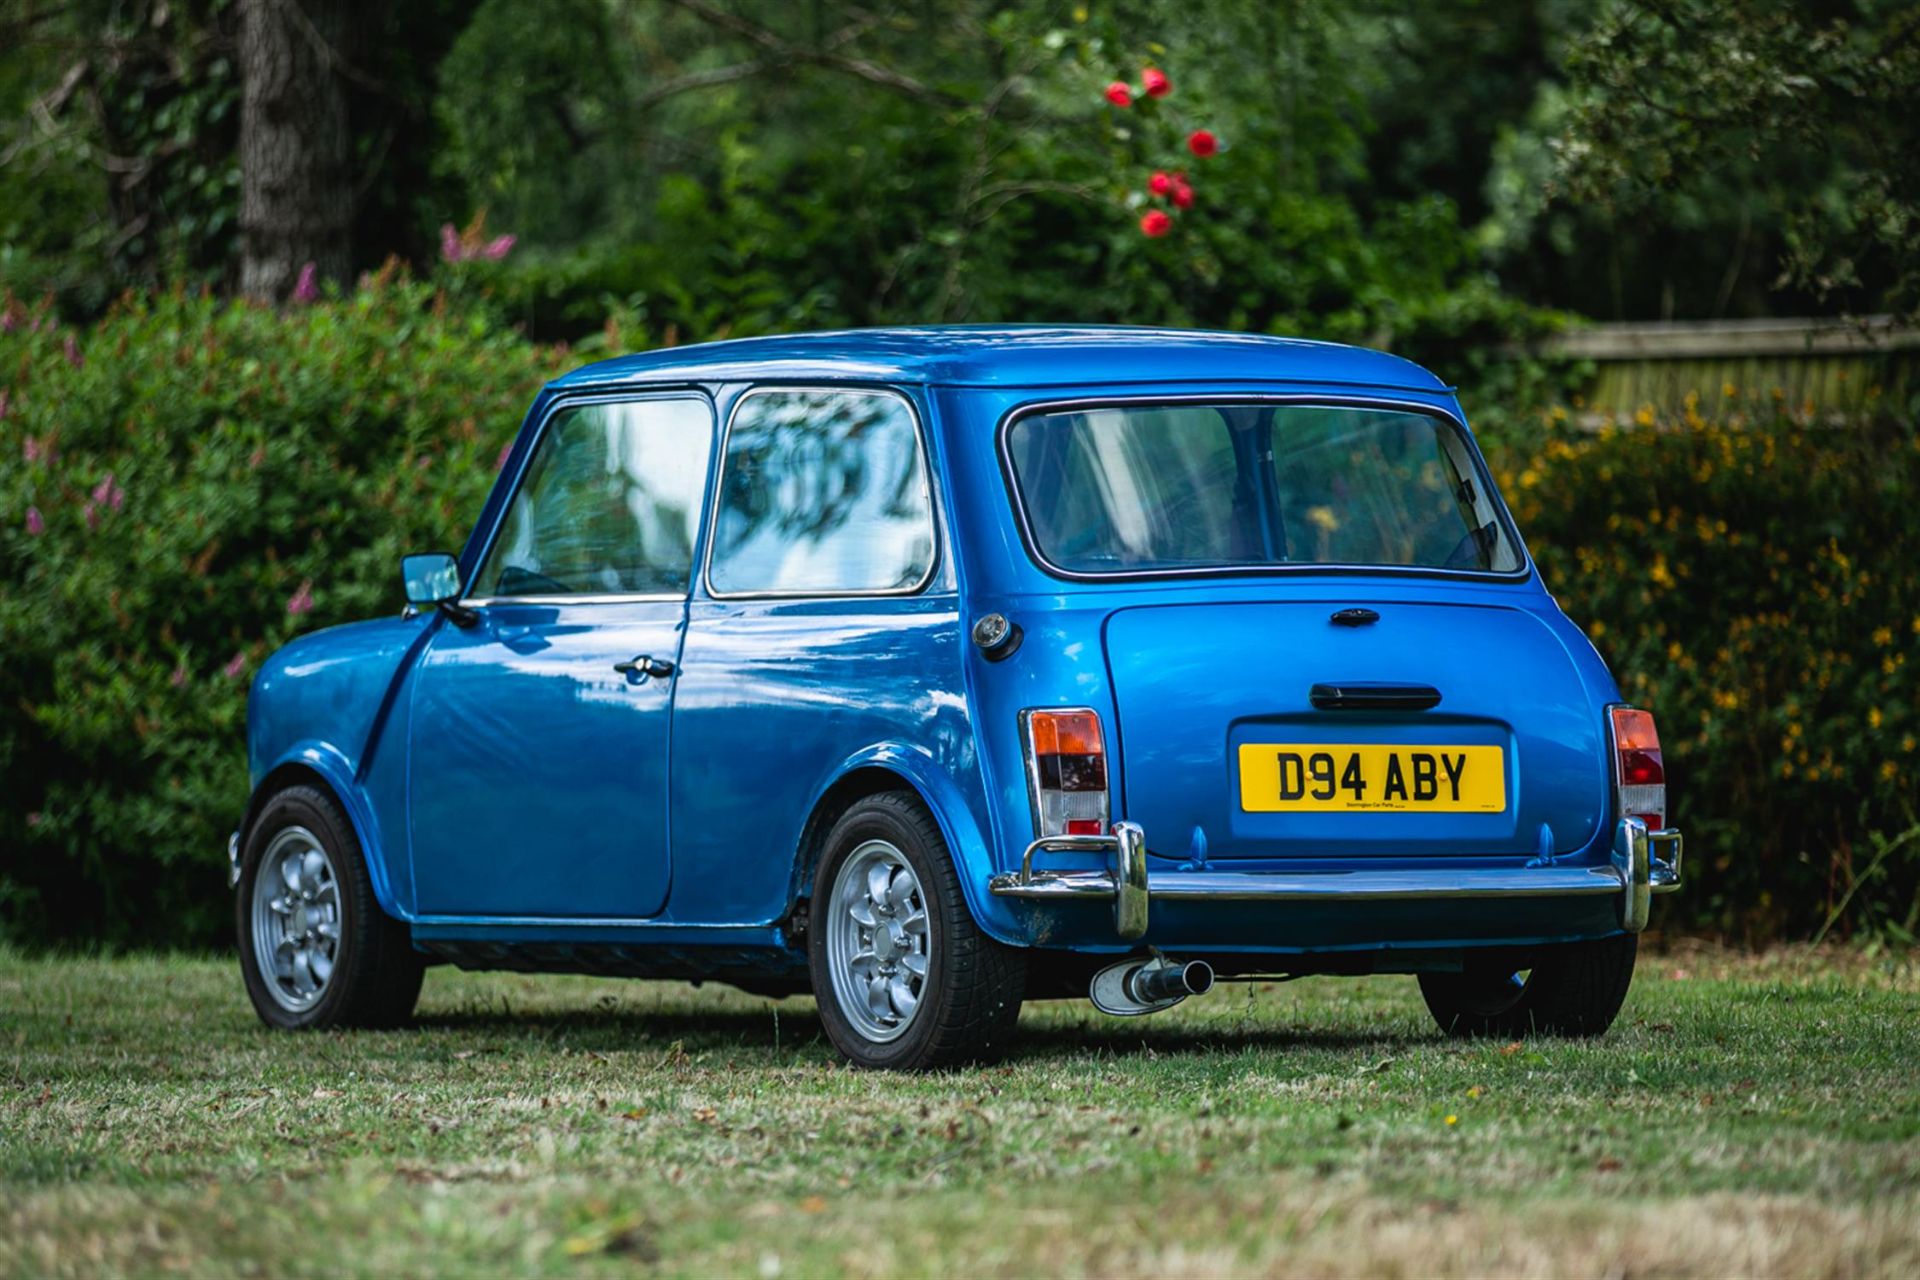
(1813, 109)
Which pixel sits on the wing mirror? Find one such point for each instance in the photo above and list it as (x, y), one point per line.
(433, 582)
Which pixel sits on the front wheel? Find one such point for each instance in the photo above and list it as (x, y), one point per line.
(1573, 989)
(904, 978)
(316, 950)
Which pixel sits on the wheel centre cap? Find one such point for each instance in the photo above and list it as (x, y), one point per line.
(889, 941)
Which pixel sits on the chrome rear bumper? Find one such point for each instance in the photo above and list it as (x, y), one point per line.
(1644, 863)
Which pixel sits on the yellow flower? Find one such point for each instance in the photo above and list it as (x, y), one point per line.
(1674, 651)
(1907, 743)
(1888, 771)
(1728, 390)
(1644, 415)
(1322, 518)
(1883, 636)
(1453, 1119)
(1873, 718)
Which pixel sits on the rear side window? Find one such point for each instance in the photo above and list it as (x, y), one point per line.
(610, 504)
(1170, 488)
(822, 493)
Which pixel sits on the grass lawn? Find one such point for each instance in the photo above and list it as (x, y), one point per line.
(1746, 1115)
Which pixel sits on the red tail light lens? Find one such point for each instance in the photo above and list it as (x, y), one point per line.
(1066, 771)
(1640, 775)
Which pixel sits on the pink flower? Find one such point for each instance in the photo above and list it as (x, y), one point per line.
(1155, 224)
(33, 819)
(302, 600)
(450, 243)
(1160, 184)
(235, 666)
(33, 450)
(3, 405)
(179, 677)
(1182, 196)
(74, 357)
(92, 516)
(1156, 82)
(305, 289)
(36, 523)
(1203, 143)
(497, 248)
(1119, 94)
(8, 321)
(108, 493)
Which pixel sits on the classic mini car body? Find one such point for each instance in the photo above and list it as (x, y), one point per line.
(939, 669)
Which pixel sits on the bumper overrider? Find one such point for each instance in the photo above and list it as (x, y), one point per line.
(1643, 863)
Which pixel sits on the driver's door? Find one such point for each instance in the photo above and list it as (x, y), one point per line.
(537, 769)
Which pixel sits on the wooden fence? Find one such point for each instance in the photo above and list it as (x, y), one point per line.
(1821, 369)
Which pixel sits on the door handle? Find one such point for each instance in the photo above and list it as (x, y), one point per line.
(643, 666)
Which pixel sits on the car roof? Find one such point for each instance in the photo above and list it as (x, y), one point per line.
(1014, 356)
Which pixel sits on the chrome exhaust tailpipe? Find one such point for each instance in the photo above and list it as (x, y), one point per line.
(1171, 980)
(1134, 987)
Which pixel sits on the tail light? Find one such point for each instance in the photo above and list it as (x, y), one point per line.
(1066, 771)
(1639, 774)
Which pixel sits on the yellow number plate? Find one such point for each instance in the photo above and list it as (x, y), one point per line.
(1321, 777)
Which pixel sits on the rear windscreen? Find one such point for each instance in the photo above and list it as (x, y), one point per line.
(1164, 488)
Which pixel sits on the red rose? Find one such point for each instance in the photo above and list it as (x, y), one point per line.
(1161, 184)
(1182, 196)
(1155, 224)
(1119, 95)
(1202, 143)
(1156, 82)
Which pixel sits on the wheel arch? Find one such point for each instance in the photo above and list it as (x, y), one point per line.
(893, 768)
(324, 767)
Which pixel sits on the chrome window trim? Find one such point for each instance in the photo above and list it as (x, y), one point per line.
(1084, 403)
(577, 400)
(719, 475)
(669, 597)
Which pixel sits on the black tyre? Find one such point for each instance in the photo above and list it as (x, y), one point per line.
(904, 978)
(1574, 989)
(316, 950)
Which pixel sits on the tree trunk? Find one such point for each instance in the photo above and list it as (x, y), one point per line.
(296, 201)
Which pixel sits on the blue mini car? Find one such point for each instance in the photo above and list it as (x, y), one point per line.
(935, 670)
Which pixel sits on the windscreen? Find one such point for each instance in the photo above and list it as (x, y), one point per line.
(1164, 488)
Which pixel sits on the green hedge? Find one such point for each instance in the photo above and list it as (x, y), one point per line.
(1756, 583)
(187, 486)
(191, 482)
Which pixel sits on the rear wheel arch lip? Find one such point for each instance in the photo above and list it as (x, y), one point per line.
(323, 766)
(895, 767)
